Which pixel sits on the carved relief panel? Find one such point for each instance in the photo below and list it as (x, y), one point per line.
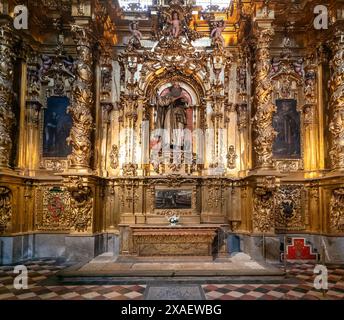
(53, 209)
(5, 209)
(289, 210)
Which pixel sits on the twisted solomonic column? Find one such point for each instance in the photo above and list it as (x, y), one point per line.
(6, 93)
(262, 120)
(336, 126)
(82, 101)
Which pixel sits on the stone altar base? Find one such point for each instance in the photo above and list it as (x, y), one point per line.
(108, 269)
(164, 240)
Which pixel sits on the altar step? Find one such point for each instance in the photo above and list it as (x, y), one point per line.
(131, 270)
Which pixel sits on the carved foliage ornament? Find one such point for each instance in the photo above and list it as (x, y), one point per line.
(6, 93)
(5, 208)
(309, 94)
(336, 126)
(288, 211)
(337, 210)
(55, 211)
(263, 217)
(114, 157)
(264, 205)
(231, 157)
(81, 205)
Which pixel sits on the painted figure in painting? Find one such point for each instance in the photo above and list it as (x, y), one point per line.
(57, 124)
(287, 124)
(51, 130)
(173, 199)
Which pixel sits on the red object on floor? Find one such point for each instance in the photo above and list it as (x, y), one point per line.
(299, 250)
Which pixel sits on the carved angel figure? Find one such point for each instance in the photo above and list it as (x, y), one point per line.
(298, 67)
(136, 35)
(46, 64)
(275, 65)
(216, 33)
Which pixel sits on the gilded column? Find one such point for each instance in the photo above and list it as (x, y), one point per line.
(242, 111)
(311, 156)
(32, 115)
(82, 101)
(6, 93)
(262, 121)
(336, 126)
(106, 106)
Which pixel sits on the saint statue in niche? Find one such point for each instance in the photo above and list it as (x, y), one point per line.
(172, 115)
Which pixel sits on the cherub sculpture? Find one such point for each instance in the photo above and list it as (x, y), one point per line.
(175, 24)
(298, 67)
(275, 65)
(46, 64)
(216, 33)
(136, 35)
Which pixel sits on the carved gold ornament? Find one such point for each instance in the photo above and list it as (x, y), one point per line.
(336, 126)
(81, 202)
(337, 211)
(5, 208)
(288, 210)
(262, 120)
(7, 117)
(82, 100)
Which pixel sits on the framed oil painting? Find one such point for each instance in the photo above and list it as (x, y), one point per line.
(56, 129)
(286, 122)
(173, 199)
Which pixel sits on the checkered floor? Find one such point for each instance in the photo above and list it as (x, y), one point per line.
(40, 270)
(304, 290)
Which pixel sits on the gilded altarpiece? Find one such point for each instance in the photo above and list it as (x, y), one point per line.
(222, 76)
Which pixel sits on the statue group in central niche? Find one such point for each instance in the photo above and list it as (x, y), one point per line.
(171, 114)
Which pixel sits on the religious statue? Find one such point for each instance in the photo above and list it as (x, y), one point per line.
(136, 36)
(171, 114)
(175, 24)
(275, 65)
(216, 33)
(298, 67)
(286, 42)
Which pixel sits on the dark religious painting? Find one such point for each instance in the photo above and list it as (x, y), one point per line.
(286, 122)
(57, 125)
(173, 199)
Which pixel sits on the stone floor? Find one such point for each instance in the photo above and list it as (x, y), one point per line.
(301, 278)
